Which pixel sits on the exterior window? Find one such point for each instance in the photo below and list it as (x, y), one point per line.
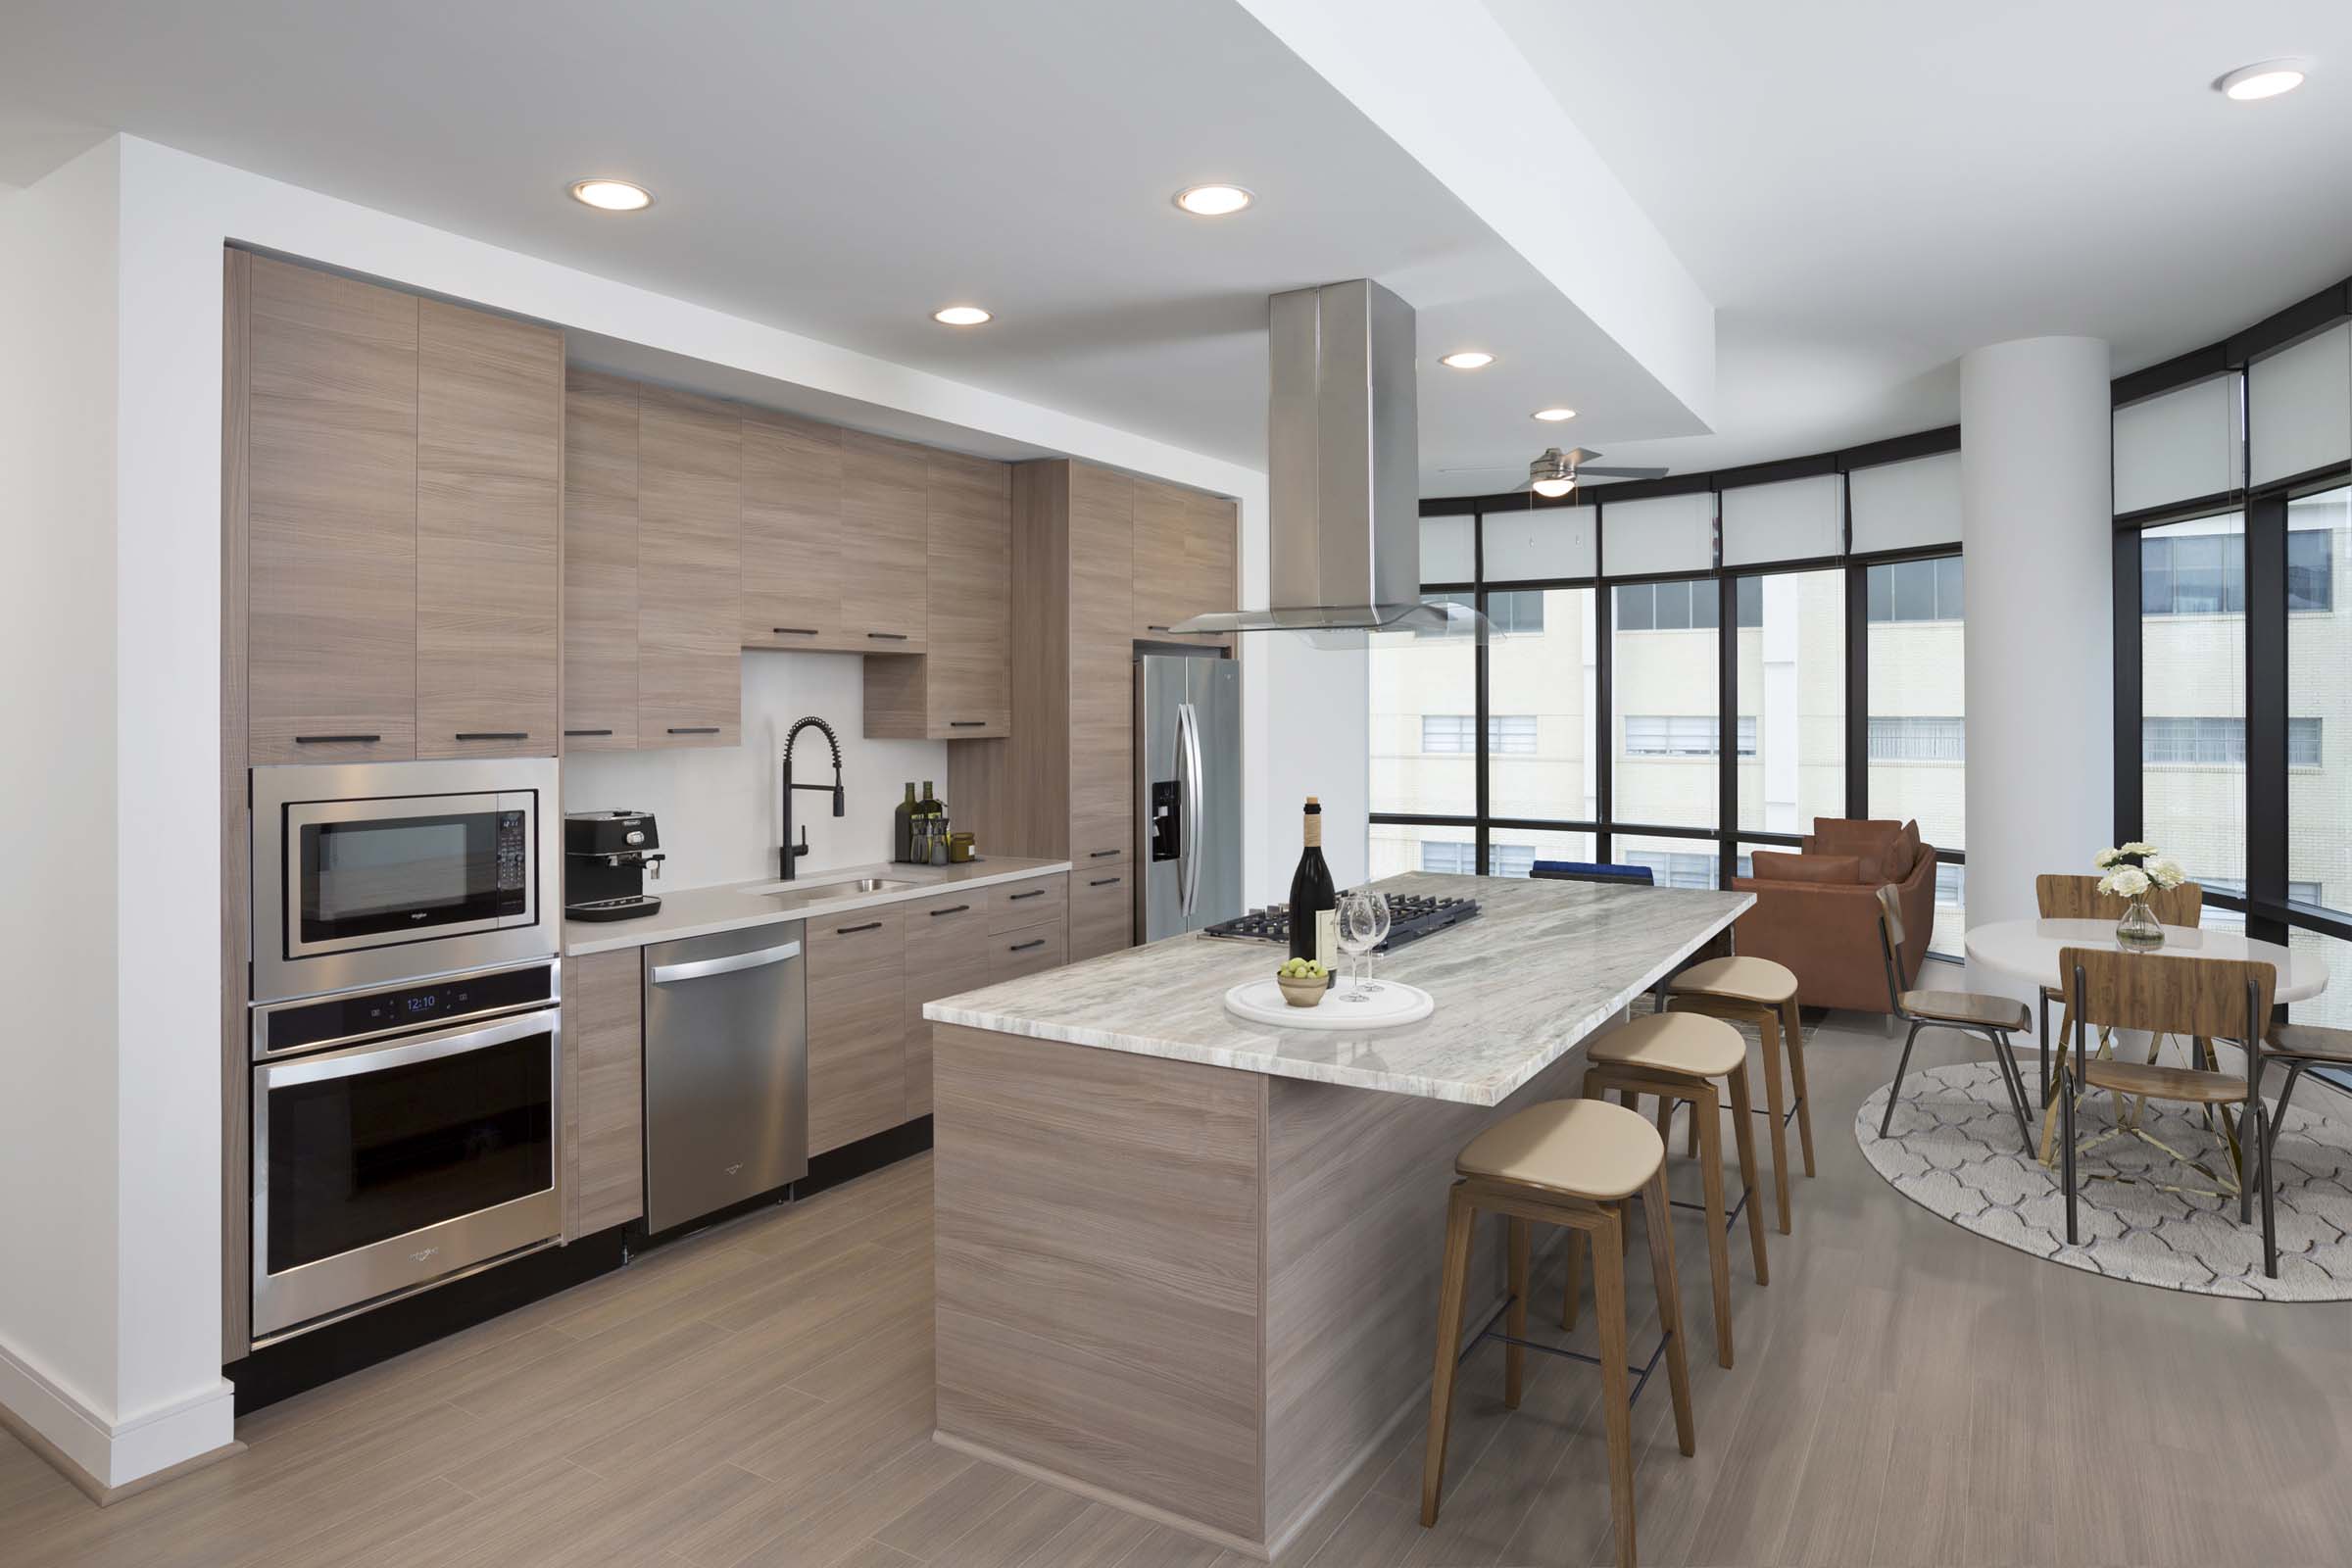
(1905, 738)
(1918, 590)
(1507, 734)
(2192, 575)
(1692, 606)
(2220, 742)
(1681, 735)
(2192, 694)
(2319, 803)
(1516, 613)
(1788, 669)
(2311, 567)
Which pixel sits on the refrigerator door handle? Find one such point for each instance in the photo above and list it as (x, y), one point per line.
(1188, 742)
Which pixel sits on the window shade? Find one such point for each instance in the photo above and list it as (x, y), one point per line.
(1665, 533)
(2180, 445)
(1447, 548)
(2299, 406)
(1902, 506)
(1552, 542)
(1793, 520)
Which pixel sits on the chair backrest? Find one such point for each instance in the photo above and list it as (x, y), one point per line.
(1890, 942)
(1593, 871)
(2169, 993)
(2063, 897)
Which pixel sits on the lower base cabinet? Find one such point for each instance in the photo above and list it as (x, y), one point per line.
(1101, 910)
(856, 1026)
(604, 1091)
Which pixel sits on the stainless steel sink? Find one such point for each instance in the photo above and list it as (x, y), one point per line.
(818, 892)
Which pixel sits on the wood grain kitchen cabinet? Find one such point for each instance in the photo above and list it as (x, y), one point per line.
(1102, 915)
(689, 570)
(929, 985)
(1031, 900)
(330, 516)
(857, 1025)
(884, 497)
(797, 555)
(604, 1091)
(489, 533)
(1184, 560)
(1212, 582)
(961, 688)
(1031, 950)
(599, 562)
(1102, 673)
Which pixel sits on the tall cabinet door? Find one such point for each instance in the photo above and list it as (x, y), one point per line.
(794, 556)
(884, 497)
(1163, 524)
(489, 533)
(970, 566)
(1210, 580)
(1101, 569)
(331, 517)
(689, 570)
(599, 562)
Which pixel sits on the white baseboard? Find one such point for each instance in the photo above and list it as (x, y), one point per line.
(112, 1454)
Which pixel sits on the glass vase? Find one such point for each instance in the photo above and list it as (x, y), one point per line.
(2138, 931)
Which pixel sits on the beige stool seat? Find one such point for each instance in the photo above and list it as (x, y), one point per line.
(1692, 1044)
(1742, 979)
(1969, 1007)
(1575, 1147)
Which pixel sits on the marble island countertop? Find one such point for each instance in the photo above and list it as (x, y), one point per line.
(1542, 966)
(733, 905)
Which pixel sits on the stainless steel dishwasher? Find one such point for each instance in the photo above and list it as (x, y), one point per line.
(726, 1071)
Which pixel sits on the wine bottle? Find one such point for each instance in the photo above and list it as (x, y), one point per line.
(902, 827)
(1315, 901)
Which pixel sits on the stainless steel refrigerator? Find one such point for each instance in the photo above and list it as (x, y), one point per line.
(1188, 783)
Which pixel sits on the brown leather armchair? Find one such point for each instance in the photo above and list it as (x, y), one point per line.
(1826, 933)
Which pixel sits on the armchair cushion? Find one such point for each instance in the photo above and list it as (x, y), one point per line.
(1840, 868)
(1827, 934)
(1879, 843)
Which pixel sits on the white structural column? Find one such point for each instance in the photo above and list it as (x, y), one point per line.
(2036, 521)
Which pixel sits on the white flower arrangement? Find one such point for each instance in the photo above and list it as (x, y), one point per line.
(2133, 869)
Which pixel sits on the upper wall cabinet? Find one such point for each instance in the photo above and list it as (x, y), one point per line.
(1184, 558)
(961, 687)
(796, 561)
(885, 515)
(689, 570)
(599, 562)
(401, 526)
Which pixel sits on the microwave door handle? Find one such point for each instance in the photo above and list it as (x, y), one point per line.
(371, 1059)
(664, 974)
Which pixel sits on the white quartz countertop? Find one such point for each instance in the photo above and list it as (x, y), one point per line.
(1542, 966)
(733, 905)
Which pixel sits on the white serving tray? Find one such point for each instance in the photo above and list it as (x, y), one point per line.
(1261, 1002)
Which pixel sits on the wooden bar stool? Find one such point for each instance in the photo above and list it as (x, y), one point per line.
(1678, 1056)
(1578, 1163)
(1763, 993)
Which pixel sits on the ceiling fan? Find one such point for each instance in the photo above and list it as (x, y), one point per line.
(1554, 474)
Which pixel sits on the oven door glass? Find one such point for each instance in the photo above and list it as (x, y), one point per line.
(366, 1145)
(366, 873)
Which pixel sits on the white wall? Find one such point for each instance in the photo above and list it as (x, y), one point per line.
(58, 1061)
(718, 808)
(137, 612)
(2037, 523)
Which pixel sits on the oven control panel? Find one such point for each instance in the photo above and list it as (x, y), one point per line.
(371, 1014)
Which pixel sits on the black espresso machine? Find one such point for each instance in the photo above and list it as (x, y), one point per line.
(605, 858)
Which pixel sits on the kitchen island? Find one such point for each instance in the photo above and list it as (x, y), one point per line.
(1187, 1264)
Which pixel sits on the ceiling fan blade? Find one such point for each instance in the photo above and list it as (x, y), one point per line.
(1587, 470)
(1578, 457)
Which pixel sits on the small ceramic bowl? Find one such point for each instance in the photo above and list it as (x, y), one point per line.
(1303, 991)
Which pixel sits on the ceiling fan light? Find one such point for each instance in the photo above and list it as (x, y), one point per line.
(1554, 489)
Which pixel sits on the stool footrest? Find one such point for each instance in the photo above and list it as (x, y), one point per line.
(1639, 1374)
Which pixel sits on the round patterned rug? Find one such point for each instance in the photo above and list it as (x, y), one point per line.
(1953, 1150)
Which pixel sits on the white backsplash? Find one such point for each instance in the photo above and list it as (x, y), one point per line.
(718, 806)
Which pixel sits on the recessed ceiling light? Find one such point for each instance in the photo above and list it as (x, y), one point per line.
(611, 195)
(1213, 200)
(1468, 360)
(2266, 80)
(961, 315)
(1555, 416)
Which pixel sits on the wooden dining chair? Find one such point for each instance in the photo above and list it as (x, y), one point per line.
(2216, 999)
(1996, 1018)
(2064, 896)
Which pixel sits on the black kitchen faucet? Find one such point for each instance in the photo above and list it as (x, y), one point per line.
(789, 851)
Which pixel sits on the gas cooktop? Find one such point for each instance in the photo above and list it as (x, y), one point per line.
(1411, 916)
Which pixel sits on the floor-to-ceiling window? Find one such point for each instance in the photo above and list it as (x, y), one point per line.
(1670, 674)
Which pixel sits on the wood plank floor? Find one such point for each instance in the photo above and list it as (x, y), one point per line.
(1905, 1392)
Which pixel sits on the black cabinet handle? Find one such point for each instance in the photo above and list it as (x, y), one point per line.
(1024, 946)
(1155, 628)
(952, 909)
(793, 631)
(1097, 855)
(694, 729)
(1033, 893)
(888, 636)
(852, 930)
(494, 735)
(1103, 882)
(965, 723)
(336, 740)
(587, 732)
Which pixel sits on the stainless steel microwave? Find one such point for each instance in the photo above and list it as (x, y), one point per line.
(373, 874)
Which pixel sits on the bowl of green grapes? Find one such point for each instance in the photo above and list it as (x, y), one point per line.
(1303, 981)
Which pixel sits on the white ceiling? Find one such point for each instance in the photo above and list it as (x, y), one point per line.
(1868, 190)
(840, 171)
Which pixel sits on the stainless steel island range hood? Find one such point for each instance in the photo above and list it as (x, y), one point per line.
(1343, 471)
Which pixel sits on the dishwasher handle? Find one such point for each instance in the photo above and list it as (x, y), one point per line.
(703, 968)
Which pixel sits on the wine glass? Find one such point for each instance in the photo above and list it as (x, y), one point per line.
(1376, 911)
(1355, 924)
